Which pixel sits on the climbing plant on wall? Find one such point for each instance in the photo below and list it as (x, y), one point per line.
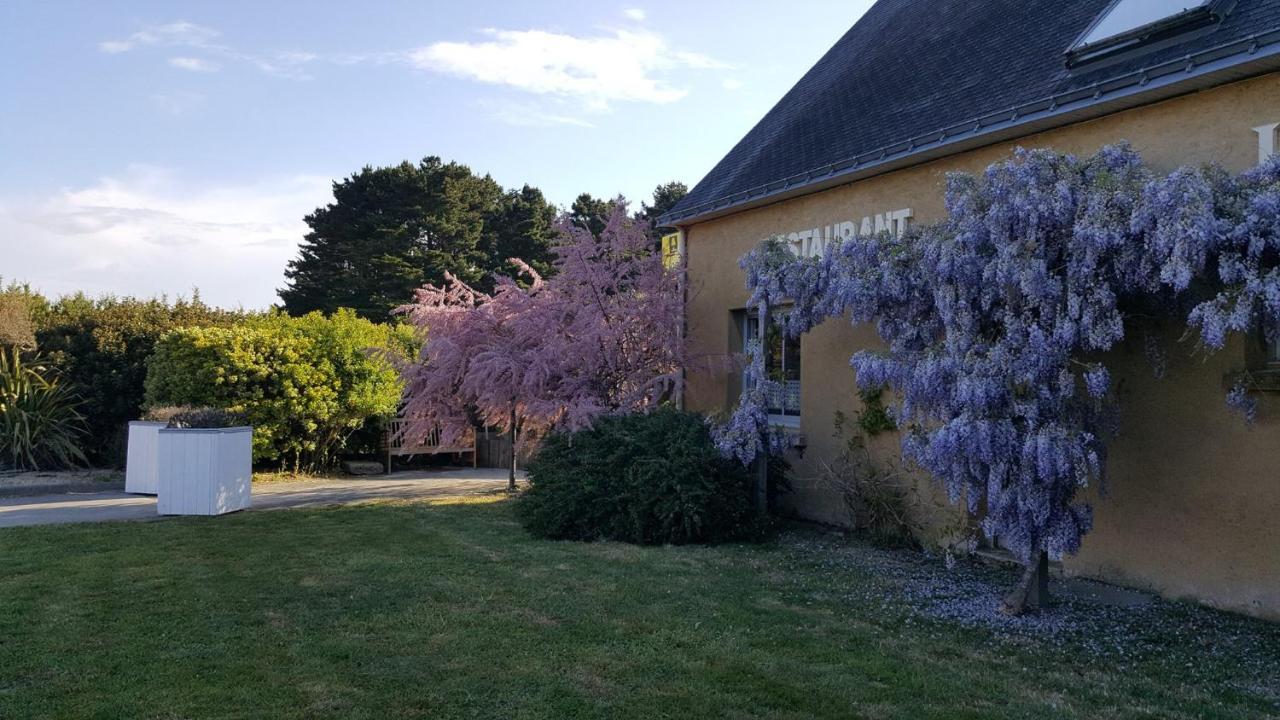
(997, 318)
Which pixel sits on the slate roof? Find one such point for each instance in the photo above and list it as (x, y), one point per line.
(921, 75)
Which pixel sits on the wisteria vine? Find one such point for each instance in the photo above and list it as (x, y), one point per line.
(996, 319)
(748, 433)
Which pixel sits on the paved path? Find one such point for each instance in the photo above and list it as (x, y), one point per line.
(114, 505)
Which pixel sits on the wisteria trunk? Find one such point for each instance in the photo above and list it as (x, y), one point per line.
(1032, 591)
(762, 484)
(511, 476)
(762, 462)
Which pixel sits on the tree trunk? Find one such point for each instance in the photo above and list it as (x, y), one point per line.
(762, 484)
(762, 460)
(1032, 590)
(511, 477)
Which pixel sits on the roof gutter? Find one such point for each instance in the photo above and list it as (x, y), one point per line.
(1256, 55)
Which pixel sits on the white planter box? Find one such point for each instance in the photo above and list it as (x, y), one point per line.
(204, 471)
(140, 465)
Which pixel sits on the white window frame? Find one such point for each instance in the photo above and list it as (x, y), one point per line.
(786, 421)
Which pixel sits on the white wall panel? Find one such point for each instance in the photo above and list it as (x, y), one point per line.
(205, 471)
(141, 462)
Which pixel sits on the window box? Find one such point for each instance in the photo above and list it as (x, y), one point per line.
(1263, 369)
(1263, 380)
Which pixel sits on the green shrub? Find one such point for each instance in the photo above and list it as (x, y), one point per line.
(647, 479)
(874, 418)
(182, 416)
(304, 384)
(100, 347)
(15, 320)
(884, 504)
(40, 426)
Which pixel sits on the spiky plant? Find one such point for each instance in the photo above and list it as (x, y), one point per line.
(40, 422)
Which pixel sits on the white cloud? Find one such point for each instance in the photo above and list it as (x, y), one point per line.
(115, 46)
(183, 34)
(597, 70)
(177, 103)
(533, 115)
(194, 64)
(175, 34)
(296, 57)
(144, 233)
(541, 119)
(731, 84)
(622, 65)
(370, 58)
(698, 61)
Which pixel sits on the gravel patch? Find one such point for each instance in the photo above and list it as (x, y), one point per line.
(52, 479)
(918, 587)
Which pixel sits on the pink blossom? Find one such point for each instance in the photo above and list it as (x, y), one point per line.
(602, 335)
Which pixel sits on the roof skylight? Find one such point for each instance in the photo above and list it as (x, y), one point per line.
(1131, 24)
(1125, 16)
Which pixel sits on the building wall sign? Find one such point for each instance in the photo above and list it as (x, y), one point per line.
(671, 251)
(814, 242)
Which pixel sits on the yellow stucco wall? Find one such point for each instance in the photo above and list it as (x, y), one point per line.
(1194, 502)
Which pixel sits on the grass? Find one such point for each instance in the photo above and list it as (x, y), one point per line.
(451, 610)
(265, 477)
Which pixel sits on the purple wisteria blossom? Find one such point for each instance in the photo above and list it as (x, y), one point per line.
(1245, 248)
(995, 319)
(748, 433)
(1242, 402)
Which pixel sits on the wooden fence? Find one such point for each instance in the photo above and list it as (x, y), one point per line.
(396, 446)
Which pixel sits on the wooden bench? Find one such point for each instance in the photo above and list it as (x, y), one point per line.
(395, 445)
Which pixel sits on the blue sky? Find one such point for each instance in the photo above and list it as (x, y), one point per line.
(153, 147)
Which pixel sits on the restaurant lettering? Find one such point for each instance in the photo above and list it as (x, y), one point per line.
(814, 242)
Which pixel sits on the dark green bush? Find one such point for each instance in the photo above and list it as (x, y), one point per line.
(646, 479)
(100, 348)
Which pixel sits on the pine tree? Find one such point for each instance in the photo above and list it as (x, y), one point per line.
(522, 225)
(590, 213)
(665, 197)
(392, 230)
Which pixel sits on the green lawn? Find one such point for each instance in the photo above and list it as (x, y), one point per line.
(391, 611)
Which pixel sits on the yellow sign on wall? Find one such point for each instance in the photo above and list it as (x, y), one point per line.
(671, 250)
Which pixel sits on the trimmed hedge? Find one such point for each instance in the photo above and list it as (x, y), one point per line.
(646, 479)
(100, 348)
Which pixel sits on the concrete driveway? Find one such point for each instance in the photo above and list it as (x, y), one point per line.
(114, 505)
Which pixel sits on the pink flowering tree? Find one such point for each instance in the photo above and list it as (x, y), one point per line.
(602, 335)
